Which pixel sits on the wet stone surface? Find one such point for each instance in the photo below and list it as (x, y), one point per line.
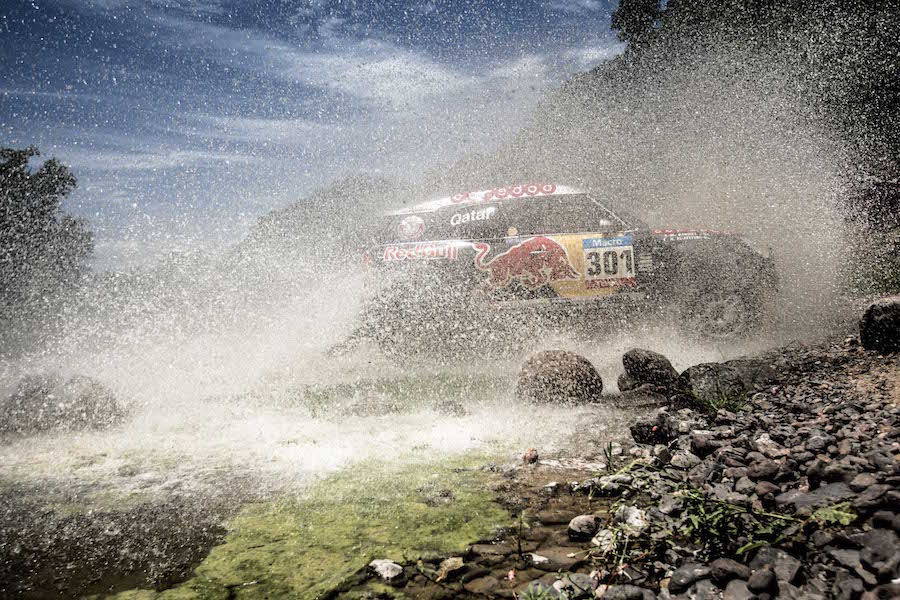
(792, 493)
(796, 494)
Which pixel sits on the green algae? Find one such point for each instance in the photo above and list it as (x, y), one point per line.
(313, 546)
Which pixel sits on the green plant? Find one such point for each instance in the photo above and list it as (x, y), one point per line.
(533, 593)
(610, 458)
(521, 526)
(722, 397)
(835, 514)
(715, 525)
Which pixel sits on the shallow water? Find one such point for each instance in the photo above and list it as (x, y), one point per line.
(235, 383)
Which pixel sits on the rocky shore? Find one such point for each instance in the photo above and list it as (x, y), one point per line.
(777, 477)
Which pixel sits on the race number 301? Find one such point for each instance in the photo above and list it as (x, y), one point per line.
(609, 261)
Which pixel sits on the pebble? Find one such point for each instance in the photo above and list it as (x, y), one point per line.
(808, 442)
(685, 460)
(386, 569)
(684, 577)
(763, 581)
(583, 528)
(723, 570)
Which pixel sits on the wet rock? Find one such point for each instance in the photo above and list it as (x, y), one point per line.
(839, 471)
(605, 540)
(847, 558)
(583, 528)
(500, 550)
(848, 588)
(632, 517)
(723, 570)
(879, 328)
(737, 590)
(884, 519)
(704, 443)
(684, 577)
(482, 585)
(703, 472)
(889, 591)
(764, 488)
(558, 376)
(685, 460)
(670, 505)
(763, 469)
(648, 367)
(642, 396)
(881, 553)
(786, 567)
(763, 581)
(805, 503)
(862, 481)
(386, 569)
(50, 402)
(704, 590)
(627, 592)
(556, 559)
(768, 448)
(666, 426)
(450, 568)
(577, 584)
(650, 432)
(744, 486)
(711, 382)
(872, 497)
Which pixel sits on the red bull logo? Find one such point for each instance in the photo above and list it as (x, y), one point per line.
(535, 262)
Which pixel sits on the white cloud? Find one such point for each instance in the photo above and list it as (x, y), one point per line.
(194, 7)
(250, 129)
(117, 161)
(593, 55)
(378, 72)
(575, 6)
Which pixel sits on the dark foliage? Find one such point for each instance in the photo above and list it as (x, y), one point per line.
(636, 21)
(41, 247)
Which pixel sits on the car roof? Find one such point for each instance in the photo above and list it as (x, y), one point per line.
(512, 192)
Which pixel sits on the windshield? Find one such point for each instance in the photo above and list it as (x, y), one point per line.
(532, 216)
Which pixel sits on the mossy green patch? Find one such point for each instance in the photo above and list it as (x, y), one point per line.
(308, 547)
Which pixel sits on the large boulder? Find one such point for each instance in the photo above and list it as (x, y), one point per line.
(644, 367)
(50, 402)
(558, 376)
(732, 380)
(879, 328)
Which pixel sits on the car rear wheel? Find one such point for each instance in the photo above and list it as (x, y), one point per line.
(721, 314)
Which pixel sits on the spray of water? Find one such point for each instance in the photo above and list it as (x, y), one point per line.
(225, 364)
(720, 140)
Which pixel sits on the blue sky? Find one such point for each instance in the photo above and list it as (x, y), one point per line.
(186, 119)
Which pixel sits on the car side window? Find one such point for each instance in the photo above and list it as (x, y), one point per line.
(563, 215)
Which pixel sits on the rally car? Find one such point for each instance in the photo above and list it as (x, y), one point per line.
(473, 262)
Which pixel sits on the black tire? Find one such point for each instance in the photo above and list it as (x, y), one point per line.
(720, 314)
